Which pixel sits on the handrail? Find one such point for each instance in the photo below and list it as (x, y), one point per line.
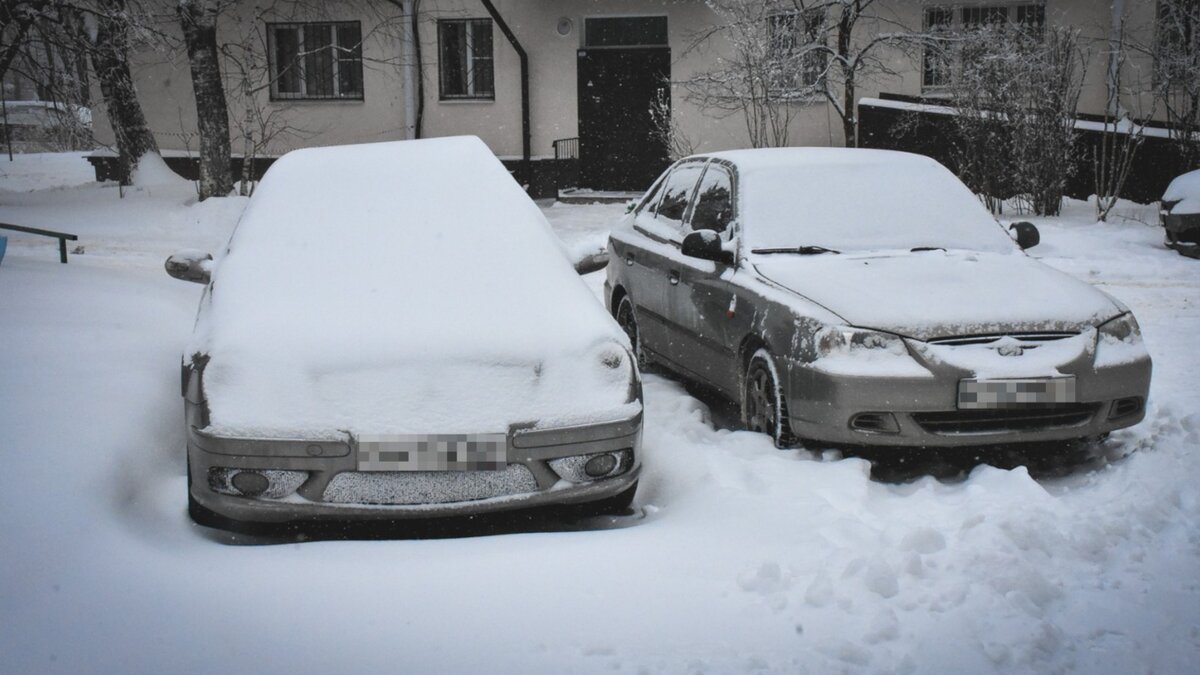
(61, 236)
(566, 148)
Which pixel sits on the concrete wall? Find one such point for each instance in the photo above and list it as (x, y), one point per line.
(165, 86)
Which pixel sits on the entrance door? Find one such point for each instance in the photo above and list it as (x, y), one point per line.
(619, 78)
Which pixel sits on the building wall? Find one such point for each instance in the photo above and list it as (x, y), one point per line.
(165, 86)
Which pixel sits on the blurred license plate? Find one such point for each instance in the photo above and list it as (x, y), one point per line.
(432, 452)
(1015, 393)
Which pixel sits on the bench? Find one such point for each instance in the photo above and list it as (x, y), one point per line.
(61, 236)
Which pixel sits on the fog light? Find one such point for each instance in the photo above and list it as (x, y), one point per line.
(250, 483)
(1125, 406)
(600, 465)
(875, 423)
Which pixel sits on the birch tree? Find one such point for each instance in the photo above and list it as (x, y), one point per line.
(198, 19)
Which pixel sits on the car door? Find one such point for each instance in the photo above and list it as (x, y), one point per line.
(702, 303)
(651, 271)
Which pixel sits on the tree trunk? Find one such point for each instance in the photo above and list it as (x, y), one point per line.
(110, 61)
(199, 21)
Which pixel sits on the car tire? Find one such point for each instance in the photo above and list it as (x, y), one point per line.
(627, 320)
(764, 408)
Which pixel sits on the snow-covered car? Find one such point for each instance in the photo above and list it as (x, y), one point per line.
(393, 332)
(1180, 214)
(865, 297)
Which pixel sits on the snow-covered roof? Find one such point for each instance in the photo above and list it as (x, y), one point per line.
(404, 287)
(855, 199)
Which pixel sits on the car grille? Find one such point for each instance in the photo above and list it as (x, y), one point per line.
(1044, 336)
(427, 487)
(1001, 420)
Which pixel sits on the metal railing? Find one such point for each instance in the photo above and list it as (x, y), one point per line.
(61, 236)
(566, 148)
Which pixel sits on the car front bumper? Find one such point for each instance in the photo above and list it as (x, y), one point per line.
(924, 412)
(328, 484)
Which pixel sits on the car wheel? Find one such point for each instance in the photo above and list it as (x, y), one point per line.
(628, 322)
(763, 406)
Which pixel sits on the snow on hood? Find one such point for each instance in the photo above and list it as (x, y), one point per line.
(400, 287)
(1185, 190)
(937, 293)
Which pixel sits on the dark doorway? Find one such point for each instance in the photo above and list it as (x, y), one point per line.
(617, 84)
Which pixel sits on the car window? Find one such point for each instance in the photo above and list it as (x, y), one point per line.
(650, 201)
(676, 193)
(714, 201)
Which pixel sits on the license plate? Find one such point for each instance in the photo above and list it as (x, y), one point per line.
(1015, 393)
(432, 452)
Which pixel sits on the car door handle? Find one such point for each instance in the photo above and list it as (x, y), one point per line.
(673, 277)
(629, 259)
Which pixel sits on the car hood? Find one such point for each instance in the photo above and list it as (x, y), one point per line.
(933, 294)
(276, 399)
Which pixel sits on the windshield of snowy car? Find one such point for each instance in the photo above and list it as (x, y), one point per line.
(846, 204)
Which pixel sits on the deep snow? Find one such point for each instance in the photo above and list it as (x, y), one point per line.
(741, 557)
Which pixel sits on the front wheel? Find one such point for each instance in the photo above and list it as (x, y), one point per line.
(763, 406)
(627, 320)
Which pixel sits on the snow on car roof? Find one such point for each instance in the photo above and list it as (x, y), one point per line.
(856, 199)
(357, 269)
(1184, 189)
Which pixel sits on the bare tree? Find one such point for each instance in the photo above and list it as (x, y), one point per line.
(852, 60)
(1176, 53)
(1122, 134)
(773, 62)
(198, 19)
(106, 33)
(1016, 95)
(665, 128)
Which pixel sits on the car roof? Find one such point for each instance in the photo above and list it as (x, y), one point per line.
(413, 247)
(770, 158)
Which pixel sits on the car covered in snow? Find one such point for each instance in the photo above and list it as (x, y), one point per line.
(866, 298)
(1180, 214)
(394, 332)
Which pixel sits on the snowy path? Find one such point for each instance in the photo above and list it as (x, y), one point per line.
(746, 558)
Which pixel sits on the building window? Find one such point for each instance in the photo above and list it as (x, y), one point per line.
(315, 60)
(465, 61)
(795, 51)
(935, 63)
(942, 23)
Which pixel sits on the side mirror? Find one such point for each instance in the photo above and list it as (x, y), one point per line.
(1026, 234)
(592, 263)
(190, 265)
(706, 245)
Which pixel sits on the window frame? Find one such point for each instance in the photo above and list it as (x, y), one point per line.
(468, 60)
(813, 65)
(299, 62)
(1011, 9)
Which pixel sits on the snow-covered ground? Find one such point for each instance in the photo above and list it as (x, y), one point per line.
(740, 558)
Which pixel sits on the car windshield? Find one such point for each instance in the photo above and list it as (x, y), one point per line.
(851, 201)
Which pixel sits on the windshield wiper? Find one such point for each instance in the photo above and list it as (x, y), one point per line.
(918, 249)
(802, 250)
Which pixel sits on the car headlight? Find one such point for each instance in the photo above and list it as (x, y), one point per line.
(1124, 328)
(832, 340)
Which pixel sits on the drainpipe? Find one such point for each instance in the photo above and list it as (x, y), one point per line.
(1116, 46)
(526, 168)
(408, 56)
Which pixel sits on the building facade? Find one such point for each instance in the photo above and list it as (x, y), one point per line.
(530, 76)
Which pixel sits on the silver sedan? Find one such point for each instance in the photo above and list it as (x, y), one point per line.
(860, 297)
